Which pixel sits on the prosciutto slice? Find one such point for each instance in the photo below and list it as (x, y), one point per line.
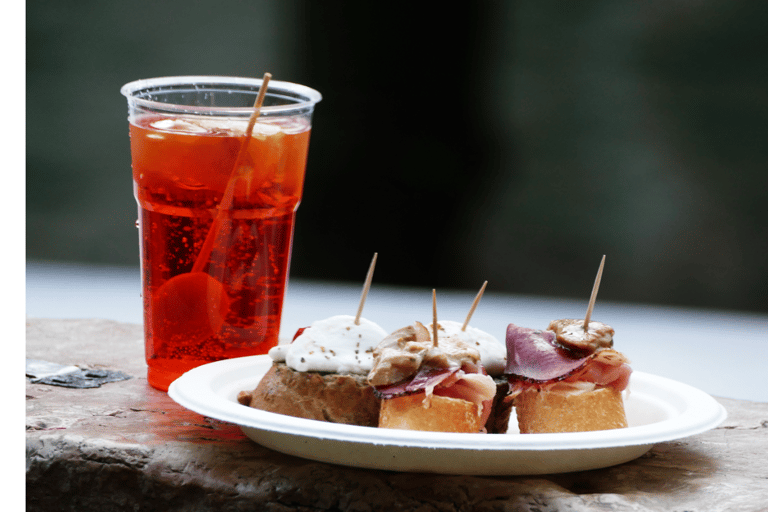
(534, 356)
(468, 382)
(426, 377)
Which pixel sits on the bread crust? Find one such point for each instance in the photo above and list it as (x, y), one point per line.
(337, 398)
(498, 421)
(540, 411)
(442, 414)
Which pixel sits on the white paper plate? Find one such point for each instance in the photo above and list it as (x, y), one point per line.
(658, 409)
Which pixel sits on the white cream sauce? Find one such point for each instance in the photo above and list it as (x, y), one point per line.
(493, 354)
(334, 345)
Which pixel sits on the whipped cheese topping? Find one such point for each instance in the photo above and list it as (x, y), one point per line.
(493, 354)
(334, 345)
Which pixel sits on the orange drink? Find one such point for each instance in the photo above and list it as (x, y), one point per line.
(215, 240)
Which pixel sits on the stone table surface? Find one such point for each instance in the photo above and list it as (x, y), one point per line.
(127, 446)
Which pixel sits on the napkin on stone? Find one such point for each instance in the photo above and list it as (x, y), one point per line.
(45, 372)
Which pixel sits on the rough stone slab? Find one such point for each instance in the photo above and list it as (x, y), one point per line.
(126, 446)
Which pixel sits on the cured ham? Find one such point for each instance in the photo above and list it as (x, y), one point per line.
(605, 368)
(466, 383)
(535, 356)
(413, 373)
(427, 377)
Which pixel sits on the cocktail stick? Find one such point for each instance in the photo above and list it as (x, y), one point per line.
(474, 305)
(593, 297)
(366, 287)
(434, 319)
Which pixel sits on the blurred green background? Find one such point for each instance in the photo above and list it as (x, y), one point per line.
(516, 142)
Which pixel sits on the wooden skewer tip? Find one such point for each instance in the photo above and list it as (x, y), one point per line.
(474, 306)
(593, 297)
(366, 287)
(434, 318)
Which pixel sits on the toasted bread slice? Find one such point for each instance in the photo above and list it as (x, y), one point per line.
(438, 414)
(554, 411)
(337, 398)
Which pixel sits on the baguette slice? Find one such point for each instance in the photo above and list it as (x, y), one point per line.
(441, 414)
(553, 411)
(332, 397)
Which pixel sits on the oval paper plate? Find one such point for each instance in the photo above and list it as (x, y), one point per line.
(658, 410)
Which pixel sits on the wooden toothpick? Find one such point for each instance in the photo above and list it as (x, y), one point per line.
(594, 294)
(434, 319)
(474, 305)
(366, 287)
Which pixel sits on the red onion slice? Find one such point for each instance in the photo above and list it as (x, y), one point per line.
(533, 355)
(427, 376)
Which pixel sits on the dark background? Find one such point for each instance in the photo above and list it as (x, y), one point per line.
(516, 142)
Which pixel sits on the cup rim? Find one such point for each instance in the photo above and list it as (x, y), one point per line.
(308, 97)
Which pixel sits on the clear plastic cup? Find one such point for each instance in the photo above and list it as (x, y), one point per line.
(215, 239)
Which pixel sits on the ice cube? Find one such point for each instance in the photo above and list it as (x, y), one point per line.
(177, 125)
(222, 126)
(293, 126)
(265, 130)
(237, 127)
(218, 126)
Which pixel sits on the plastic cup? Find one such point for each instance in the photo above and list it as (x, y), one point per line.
(215, 240)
